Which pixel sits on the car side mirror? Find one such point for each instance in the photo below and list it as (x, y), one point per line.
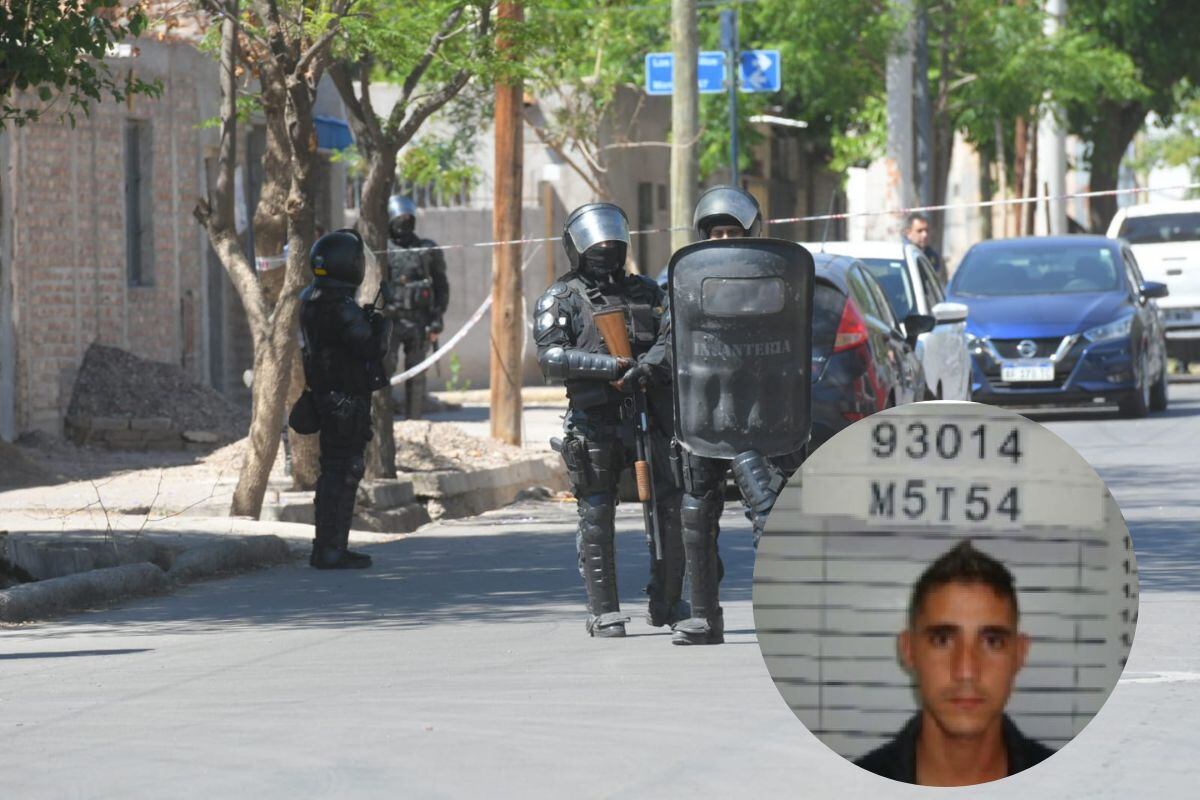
(1153, 290)
(916, 324)
(950, 313)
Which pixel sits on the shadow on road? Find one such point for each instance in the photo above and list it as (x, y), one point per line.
(123, 651)
(1168, 554)
(528, 572)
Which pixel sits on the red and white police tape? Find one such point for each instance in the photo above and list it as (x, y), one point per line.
(540, 241)
(852, 215)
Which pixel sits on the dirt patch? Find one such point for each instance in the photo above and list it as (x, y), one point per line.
(18, 470)
(424, 446)
(114, 383)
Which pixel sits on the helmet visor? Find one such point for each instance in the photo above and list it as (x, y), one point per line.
(599, 225)
(726, 202)
(399, 206)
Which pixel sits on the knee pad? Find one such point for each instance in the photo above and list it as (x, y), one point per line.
(699, 515)
(596, 516)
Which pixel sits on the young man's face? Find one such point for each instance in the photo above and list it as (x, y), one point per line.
(918, 233)
(964, 651)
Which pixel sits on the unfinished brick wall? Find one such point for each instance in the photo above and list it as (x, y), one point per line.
(70, 275)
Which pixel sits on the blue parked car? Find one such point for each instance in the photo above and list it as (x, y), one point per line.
(1062, 320)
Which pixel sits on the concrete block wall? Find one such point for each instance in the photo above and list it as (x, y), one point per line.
(69, 271)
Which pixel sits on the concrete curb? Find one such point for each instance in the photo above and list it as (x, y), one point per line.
(99, 587)
(236, 555)
(389, 507)
(32, 601)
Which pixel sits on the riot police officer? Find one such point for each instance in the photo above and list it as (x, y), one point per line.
(722, 212)
(420, 293)
(598, 429)
(343, 349)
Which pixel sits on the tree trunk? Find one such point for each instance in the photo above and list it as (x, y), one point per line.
(272, 359)
(270, 236)
(372, 224)
(1109, 143)
(1020, 149)
(986, 194)
(1031, 178)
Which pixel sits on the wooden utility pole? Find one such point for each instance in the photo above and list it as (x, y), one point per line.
(685, 120)
(508, 326)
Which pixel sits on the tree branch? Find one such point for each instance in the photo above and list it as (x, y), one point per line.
(418, 70)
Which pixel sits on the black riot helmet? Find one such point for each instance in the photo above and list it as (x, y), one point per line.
(402, 216)
(727, 205)
(596, 238)
(338, 259)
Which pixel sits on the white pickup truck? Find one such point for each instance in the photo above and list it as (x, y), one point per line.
(1165, 239)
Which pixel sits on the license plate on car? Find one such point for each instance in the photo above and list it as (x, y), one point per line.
(1027, 371)
(1182, 315)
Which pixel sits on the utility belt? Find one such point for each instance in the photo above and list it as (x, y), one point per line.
(410, 298)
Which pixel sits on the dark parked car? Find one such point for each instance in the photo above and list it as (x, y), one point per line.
(864, 360)
(1062, 320)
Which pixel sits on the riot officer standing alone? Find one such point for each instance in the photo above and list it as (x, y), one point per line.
(420, 294)
(343, 350)
(599, 427)
(728, 212)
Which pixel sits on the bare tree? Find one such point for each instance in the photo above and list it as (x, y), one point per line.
(457, 37)
(296, 48)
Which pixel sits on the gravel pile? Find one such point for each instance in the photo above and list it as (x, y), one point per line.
(424, 446)
(114, 383)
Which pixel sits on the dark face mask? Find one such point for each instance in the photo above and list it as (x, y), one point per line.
(402, 227)
(603, 260)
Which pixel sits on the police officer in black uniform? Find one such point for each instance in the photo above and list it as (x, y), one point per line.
(420, 294)
(343, 350)
(721, 212)
(598, 442)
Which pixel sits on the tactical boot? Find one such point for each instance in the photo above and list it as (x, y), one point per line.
(327, 556)
(597, 564)
(699, 630)
(607, 626)
(659, 613)
(707, 624)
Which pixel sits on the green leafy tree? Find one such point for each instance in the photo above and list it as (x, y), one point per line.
(55, 49)
(1176, 142)
(583, 61)
(431, 51)
(1159, 37)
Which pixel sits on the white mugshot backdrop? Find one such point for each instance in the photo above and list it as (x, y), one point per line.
(831, 589)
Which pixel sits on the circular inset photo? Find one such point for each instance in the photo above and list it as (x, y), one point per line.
(945, 594)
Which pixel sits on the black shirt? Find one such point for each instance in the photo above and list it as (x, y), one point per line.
(898, 758)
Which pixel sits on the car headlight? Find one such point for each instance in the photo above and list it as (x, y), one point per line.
(975, 343)
(1110, 330)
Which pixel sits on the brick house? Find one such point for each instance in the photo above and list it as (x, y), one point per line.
(98, 242)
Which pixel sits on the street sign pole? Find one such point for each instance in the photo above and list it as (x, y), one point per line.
(729, 43)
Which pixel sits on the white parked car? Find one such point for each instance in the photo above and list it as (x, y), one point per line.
(1165, 240)
(912, 287)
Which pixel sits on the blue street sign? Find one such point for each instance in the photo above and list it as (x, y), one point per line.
(710, 72)
(760, 71)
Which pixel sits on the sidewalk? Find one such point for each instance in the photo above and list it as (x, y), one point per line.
(127, 516)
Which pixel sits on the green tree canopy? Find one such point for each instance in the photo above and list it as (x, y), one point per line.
(55, 48)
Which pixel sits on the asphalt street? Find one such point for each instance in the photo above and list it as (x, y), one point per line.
(459, 666)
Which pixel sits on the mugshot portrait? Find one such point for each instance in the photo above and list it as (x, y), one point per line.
(944, 654)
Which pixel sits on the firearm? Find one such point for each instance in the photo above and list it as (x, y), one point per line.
(377, 377)
(611, 324)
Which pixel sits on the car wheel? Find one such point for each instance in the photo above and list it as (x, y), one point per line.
(1137, 403)
(1158, 392)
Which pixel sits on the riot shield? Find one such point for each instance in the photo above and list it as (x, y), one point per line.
(741, 314)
